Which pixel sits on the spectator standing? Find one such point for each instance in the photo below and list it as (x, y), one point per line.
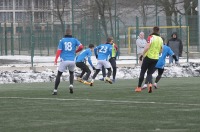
(141, 43)
(176, 45)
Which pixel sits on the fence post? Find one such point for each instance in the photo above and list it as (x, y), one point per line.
(118, 41)
(47, 33)
(158, 19)
(19, 38)
(180, 24)
(32, 42)
(72, 10)
(187, 43)
(137, 32)
(6, 41)
(125, 41)
(1, 39)
(12, 39)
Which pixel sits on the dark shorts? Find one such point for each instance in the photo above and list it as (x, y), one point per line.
(82, 66)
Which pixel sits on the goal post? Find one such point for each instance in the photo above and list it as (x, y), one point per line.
(132, 34)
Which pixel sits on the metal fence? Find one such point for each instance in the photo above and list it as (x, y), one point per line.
(42, 38)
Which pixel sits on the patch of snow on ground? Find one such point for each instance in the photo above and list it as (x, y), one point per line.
(23, 74)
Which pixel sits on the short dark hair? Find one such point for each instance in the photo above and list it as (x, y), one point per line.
(68, 31)
(91, 46)
(109, 39)
(156, 29)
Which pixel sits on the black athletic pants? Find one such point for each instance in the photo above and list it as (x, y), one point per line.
(85, 69)
(149, 66)
(158, 77)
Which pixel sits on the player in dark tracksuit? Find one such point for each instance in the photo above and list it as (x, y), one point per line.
(176, 45)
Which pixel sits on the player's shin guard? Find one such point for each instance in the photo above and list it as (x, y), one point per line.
(109, 72)
(57, 82)
(71, 77)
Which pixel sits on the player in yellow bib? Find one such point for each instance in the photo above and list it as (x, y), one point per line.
(151, 55)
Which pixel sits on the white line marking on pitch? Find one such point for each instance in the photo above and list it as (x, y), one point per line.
(96, 100)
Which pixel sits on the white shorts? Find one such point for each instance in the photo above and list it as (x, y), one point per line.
(64, 65)
(104, 63)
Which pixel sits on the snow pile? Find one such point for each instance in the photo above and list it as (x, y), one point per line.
(48, 75)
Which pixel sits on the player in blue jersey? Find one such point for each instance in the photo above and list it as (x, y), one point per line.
(102, 53)
(80, 59)
(66, 51)
(161, 63)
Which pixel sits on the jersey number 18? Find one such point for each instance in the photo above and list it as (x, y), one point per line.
(68, 46)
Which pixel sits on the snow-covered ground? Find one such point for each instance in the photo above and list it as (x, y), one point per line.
(17, 69)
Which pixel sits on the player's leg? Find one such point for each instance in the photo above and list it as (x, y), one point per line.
(88, 71)
(71, 66)
(150, 71)
(94, 76)
(114, 67)
(145, 84)
(61, 69)
(71, 80)
(99, 66)
(146, 81)
(160, 72)
(107, 65)
(81, 66)
(142, 73)
(57, 82)
(103, 73)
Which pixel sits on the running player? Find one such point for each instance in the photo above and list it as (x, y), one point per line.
(66, 51)
(104, 51)
(161, 63)
(112, 61)
(85, 54)
(151, 53)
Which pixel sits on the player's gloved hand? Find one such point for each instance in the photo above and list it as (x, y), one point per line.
(141, 57)
(97, 56)
(93, 68)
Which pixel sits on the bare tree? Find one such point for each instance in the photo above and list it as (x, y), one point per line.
(101, 6)
(60, 7)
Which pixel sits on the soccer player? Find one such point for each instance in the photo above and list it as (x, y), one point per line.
(66, 51)
(112, 61)
(104, 51)
(85, 54)
(151, 55)
(161, 63)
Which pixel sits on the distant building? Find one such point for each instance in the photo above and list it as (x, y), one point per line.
(37, 11)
